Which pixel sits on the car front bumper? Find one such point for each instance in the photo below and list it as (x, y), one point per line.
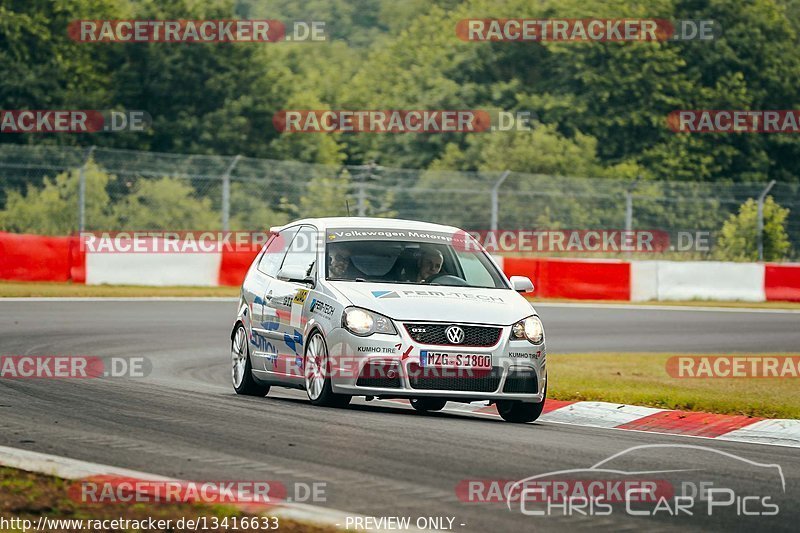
(518, 368)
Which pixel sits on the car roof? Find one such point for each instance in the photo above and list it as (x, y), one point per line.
(367, 222)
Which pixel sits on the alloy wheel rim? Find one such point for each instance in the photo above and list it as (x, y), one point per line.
(238, 357)
(315, 364)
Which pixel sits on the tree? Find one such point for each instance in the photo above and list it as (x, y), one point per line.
(53, 208)
(739, 238)
(166, 203)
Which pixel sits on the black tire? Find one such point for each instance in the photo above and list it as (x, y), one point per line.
(427, 405)
(326, 398)
(520, 412)
(249, 386)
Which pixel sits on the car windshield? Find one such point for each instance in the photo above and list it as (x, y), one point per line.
(413, 262)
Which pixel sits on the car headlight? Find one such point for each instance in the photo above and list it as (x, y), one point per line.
(363, 323)
(530, 328)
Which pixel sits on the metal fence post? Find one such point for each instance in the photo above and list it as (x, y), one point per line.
(760, 219)
(495, 199)
(226, 193)
(629, 203)
(82, 191)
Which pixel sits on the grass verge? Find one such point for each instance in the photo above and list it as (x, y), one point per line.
(29, 496)
(642, 379)
(680, 303)
(27, 289)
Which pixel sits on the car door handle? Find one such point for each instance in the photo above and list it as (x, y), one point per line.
(268, 296)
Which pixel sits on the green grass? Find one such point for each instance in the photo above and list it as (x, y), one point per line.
(642, 379)
(28, 495)
(25, 289)
(682, 303)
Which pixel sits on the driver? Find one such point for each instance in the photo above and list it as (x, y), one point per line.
(341, 266)
(429, 264)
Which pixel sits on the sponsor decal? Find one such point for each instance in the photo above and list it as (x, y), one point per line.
(437, 294)
(300, 296)
(319, 307)
(525, 355)
(270, 326)
(385, 294)
(261, 343)
(362, 234)
(375, 349)
(294, 341)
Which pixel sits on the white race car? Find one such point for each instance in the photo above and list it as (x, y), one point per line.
(373, 307)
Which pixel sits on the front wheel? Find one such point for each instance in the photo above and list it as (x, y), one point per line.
(426, 405)
(519, 412)
(242, 370)
(316, 369)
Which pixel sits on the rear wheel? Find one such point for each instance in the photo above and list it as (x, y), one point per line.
(316, 370)
(242, 370)
(426, 405)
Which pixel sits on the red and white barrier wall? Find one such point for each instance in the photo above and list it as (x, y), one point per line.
(39, 258)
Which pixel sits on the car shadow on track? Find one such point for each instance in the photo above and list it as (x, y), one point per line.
(397, 410)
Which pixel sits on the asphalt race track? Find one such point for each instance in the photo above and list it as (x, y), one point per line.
(378, 459)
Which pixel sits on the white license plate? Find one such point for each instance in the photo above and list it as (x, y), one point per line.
(455, 360)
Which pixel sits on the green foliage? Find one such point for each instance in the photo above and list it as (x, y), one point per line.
(738, 239)
(53, 208)
(251, 210)
(165, 203)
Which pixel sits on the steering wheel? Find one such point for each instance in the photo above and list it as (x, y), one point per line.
(448, 279)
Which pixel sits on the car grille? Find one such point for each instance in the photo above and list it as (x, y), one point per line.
(378, 374)
(521, 381)
(434, 334)
(436, 379)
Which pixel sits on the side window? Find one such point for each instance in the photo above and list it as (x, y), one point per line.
(276, 250)
(302, 255)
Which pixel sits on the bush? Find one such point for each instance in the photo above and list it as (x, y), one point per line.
(53, 208)
(739, 235)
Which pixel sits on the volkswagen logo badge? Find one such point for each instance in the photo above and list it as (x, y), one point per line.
(454, 334)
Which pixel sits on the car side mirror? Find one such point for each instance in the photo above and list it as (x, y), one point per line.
(521, 284)
(296, 275)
